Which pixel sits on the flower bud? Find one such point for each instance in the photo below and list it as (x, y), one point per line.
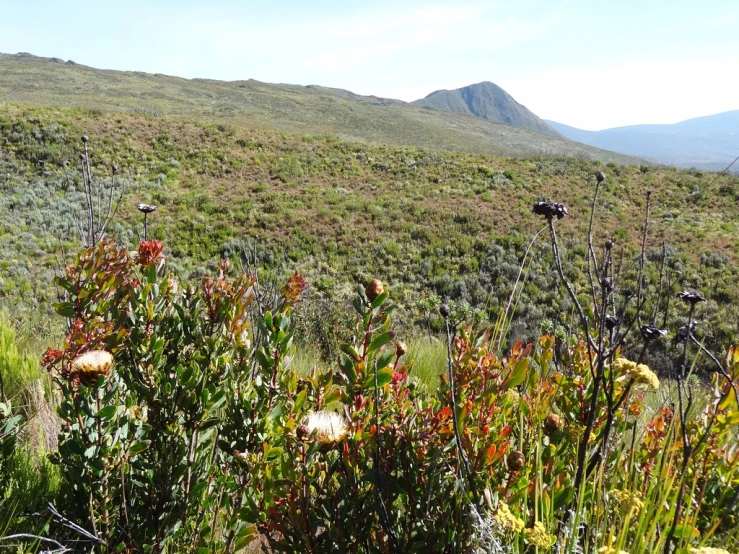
(374, 289)
(516, 460)
(303, 432)
(400, 349)
(553, 423)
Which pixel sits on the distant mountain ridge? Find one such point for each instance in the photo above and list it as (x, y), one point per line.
(296, 109)
(710, 142)
(487, 101)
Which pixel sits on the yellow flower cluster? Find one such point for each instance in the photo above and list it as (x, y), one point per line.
(538, 536)
(610, 550)
(576, 430)
(708, 550)
(628, 500)
(505, 518)
(640, 373)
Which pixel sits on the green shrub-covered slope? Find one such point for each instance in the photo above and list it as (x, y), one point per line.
(439, 223)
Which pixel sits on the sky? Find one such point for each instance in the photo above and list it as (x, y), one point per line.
(592, 64)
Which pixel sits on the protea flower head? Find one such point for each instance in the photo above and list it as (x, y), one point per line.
(325, 426)
(91, 365)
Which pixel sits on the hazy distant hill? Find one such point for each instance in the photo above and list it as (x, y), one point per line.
(488, 101)
(27, 79)
(709, 142)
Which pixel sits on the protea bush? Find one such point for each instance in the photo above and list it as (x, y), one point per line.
(186, 430)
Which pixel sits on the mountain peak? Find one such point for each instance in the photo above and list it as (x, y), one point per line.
(487, 101)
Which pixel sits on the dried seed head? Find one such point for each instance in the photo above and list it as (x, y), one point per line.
(400, 349)
(114, 168)
(374, 289)
(445, 311)
(516, 460)
(553, 423)
(145, 208)
(550, 209)
(600, 176)
(303, 432)
(691, 297)
(609, 244)
(85, 139)
(612, 322)
(652, 333)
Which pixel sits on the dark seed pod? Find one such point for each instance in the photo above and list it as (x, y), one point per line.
(114, 168)
(85, 139)
(445, 311)
(609, 244)
(600, 176)
(606, 284)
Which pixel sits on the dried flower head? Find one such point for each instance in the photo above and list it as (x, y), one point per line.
(691, 297)
(612, 322)
(628, 500)
(445, 311)
(652, 333)
(91, 365)
(549, 209)
(507, 521)
(374, 289)
(600, 176)
(327, 427)
(538, 536)
(146, 208)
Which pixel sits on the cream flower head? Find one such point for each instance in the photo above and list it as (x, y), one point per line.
(91, 365)
(329, 427)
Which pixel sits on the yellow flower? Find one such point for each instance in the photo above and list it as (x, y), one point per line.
(610, 550)
(642, 375)
(90, 365)
(708, 550)
(628, 500)
(505, 518)
(622, 365)
(538, 536)
(329, 427)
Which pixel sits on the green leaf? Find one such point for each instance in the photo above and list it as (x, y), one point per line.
(381, 340)
(65, 309)
(107, 413)
(686, 532)
(138, 447)
(518, 374)
(300, 400)
(385, 357)
(380, 300)
(384, 376)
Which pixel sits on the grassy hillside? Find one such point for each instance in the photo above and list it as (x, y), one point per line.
(429, 222)
(290, 108)
(488, 101)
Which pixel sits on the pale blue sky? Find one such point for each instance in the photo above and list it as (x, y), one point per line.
(591, 64)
